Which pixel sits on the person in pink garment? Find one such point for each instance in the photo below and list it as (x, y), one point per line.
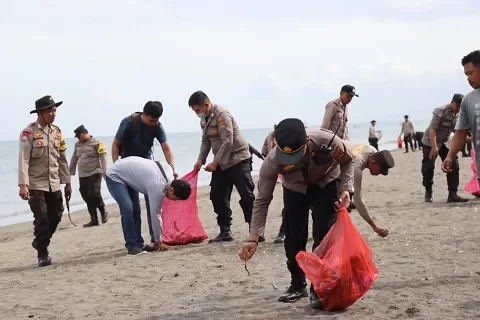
(473, 186)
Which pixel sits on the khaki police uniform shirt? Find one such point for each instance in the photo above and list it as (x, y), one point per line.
(339, 166)
(361, 153)
(336, 117)
(268, 144)
(220, 132)
(42, 162)
(91, 157)
(443, 121)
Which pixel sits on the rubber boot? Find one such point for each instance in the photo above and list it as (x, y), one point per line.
(428, 194)
(224, 235)
(454, 197)
(93, 222)
(104, 214)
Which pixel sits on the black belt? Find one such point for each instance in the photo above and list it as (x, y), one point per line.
(161, 170)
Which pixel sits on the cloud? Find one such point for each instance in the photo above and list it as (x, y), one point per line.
(106, 59)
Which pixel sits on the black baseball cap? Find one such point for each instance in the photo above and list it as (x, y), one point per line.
(385, 160)
(350, 90)
(457, 98)
(291, 136)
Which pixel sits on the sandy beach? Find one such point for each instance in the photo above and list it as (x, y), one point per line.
(429, 264)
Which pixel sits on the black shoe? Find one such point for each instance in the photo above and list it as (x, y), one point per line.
(315, 302)
(44, 261)
(223, 236)
(280, 238)
(135, 251)
(292, 295)
(454, 197)
(91, 224)
(352, 206)
(104, 217)
(428, 195)
(148, 248)
(261, 239)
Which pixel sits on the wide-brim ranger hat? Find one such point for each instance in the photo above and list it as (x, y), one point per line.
(291, 136)
(45, 103)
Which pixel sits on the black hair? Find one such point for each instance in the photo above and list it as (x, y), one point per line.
(198, 98)
(181, 189)
(473, 57)
(153, 109)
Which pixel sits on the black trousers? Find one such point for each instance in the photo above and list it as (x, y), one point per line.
(407, 138)
(90, 189)
(322, 203)
(373, 142)
(428, 168)
(47, 208)
(240, 176)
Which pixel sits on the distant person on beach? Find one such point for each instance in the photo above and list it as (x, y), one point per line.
(469, 115)
(129, 176)
(135, 136)
(91, 156)
(408, 131)
(269, 142)
(42, 168)
(373, 135)
(310, 170)
(231, 165)
(336, 112)
(434, 140)
(417, 140)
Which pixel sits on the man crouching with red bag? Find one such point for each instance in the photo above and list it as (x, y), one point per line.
(311, 165)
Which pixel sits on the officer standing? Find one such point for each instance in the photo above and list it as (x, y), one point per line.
(408, 132)
(91, 156)
(311, 165)
(231, 164)
(442, 125)
(42, 168)
(336, 112)
(134, 137)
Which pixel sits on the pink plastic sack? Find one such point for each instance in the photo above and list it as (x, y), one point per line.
(472, 186)
(181, 224)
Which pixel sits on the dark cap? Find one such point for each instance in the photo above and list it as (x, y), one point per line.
(291, 137)
(373, 121)
(385, 160)
(45, 103)
(405, 116)
(81, 129)
(350, 90)
(457, 98)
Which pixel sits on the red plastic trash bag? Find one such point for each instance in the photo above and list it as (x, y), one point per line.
(399, 143)
(181, 224)
(472, 186)
(341, 268)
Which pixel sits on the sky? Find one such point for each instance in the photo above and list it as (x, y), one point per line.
(263, 60)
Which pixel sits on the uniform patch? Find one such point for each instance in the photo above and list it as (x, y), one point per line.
(58, 134)
(63, 145)
(213, 131)
(338, 153)
(220, 122)
(101, 148)
(39, 143)
(25, 135)
(288, 167)
(37, 135)
(357, 150)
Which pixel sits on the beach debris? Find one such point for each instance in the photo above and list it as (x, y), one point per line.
(68, 209)
(176, 274)
(412, 311)
(274, 286)
(31, 315)
(161, 279)
(246, 268)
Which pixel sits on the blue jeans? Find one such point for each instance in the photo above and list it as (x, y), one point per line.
(129, 205)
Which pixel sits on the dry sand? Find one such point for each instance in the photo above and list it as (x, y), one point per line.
(429, 264)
